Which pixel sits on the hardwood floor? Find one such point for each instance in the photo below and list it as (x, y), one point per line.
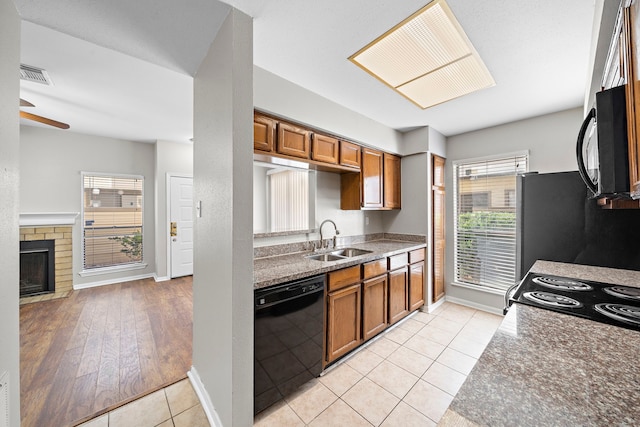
(100, 347)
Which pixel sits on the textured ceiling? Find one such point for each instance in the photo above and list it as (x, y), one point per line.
(537, 51)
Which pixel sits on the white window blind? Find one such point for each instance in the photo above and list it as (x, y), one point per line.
(485, 220)
(112, 218)
(289, 200)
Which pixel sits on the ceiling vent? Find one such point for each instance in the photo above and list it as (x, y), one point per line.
(35, 74)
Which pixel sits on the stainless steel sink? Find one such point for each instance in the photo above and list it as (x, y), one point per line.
(350, 252)
(325, 257)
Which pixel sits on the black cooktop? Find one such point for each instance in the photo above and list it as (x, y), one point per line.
(602, 302)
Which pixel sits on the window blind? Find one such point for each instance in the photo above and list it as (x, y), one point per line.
(289, 200)
(112, 218)
(485, 220)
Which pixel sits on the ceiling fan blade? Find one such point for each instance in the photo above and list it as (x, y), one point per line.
(44, 120)
(24, 103)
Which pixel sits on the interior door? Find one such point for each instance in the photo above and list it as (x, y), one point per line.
(181, 226)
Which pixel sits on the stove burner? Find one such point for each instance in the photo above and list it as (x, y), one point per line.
(562, 283)
(620, 312)
(624, 292)
(552, 300)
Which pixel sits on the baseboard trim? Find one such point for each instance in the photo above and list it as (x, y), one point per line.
(432, 307)
(475, 305)
(204, 398)
(77, 287)
(160, 279)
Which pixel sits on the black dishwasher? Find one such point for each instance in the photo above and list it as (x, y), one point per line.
(288, 336)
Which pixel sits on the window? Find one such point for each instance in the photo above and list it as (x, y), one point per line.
(485, 220)
(112, 220)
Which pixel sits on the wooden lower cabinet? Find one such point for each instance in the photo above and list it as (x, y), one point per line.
(374, 306)
(343, 321)
(398, 281)
(416, 286)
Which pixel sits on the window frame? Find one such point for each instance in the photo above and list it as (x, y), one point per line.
(500, 289)
(135, 265)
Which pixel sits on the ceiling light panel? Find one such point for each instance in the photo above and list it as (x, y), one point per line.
(428, 42)
(458, 79)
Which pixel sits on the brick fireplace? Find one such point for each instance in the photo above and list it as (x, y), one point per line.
(61, 236)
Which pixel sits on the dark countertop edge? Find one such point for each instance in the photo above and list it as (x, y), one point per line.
(325, 267)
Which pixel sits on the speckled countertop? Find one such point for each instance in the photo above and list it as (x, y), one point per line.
(283, 268)
(545, 368)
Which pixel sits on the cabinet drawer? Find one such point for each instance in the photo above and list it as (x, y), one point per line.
(416, 256)
(374, 268)
(397, 261)
(340, 278)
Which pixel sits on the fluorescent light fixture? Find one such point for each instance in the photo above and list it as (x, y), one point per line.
(427, 58)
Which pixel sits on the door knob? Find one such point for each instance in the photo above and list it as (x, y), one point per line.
(174, 228)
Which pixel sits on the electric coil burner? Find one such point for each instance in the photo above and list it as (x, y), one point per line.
(613, 304)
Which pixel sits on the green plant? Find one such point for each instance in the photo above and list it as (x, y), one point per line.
(471, 227)
(131, 245)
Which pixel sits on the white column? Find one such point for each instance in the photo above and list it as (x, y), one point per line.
(223, 245)
(9, 191)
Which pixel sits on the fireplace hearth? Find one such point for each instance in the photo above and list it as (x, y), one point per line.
(37, 267)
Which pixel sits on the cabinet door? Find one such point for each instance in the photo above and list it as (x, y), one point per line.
(263, 132)
(371, 175)
(293, 141)
(374, 306)
(325, 149)
(343, 321)
(631, 64)
(392, 181)
(438, 245)
(416, 286)
(349, 154)
(398, 294)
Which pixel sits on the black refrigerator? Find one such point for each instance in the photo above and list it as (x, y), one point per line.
(557, 221)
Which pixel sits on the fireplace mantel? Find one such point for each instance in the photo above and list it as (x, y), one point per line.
(48, 218)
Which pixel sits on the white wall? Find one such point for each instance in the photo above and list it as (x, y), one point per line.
(176, 159)
(550, 140)
(281, 97)
(9, 191)
(50, 164)
(223, 235)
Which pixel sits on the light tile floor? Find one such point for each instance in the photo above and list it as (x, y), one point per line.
(173, 406)
(407, 377)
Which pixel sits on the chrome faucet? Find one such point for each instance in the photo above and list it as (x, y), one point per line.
(334, 236)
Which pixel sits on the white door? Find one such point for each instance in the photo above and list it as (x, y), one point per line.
(181, 226)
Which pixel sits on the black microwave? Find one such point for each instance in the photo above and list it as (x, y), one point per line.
(602, 148)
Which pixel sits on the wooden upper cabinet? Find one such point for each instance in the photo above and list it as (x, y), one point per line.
(349, 154)
(371, 177)
(263, 133)
(392, 179)
(630, 56)
(325, 149)
(293, 141)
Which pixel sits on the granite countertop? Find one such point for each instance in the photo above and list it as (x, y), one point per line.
(273, 270)
(548, 368)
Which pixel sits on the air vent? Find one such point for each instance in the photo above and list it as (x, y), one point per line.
(35, 74)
